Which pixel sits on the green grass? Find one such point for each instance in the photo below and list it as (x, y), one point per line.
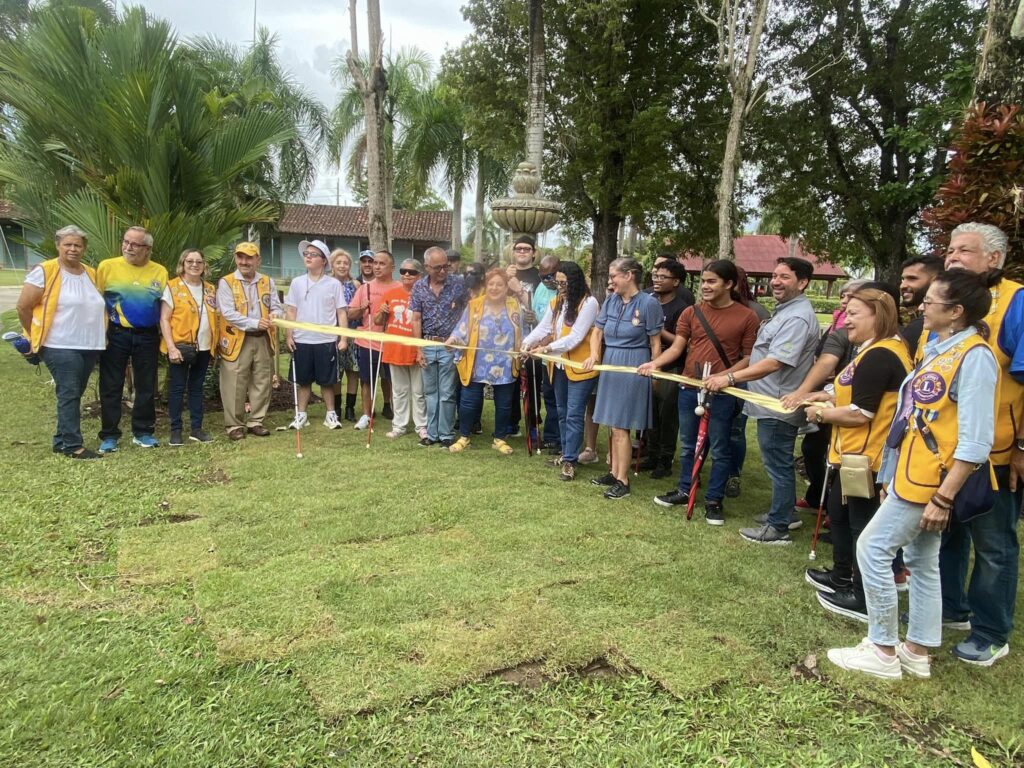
(232, 605)
(12, 276)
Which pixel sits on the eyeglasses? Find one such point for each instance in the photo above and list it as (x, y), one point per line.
(523, 249)
(439, 267)
(661, 277)
(130, 245)
(548, 278)
(929, 302)
(312, 254)
(408, 272)
(195, 263)
(561, 283)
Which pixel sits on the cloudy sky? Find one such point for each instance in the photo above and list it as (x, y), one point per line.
(313, 33)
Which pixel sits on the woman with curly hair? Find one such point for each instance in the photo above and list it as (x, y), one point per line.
(565, 330)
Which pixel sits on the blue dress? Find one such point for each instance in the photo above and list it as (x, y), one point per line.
(624, 399)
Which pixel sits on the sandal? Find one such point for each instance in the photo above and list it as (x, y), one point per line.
(459, 445)
(501, 447)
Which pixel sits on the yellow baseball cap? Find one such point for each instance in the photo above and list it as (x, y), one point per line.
(249, 249)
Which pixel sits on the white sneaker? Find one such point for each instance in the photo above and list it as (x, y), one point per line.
(363, 423)
(865, 658)
(918, 666)
(395, 433)
(300, 420)
(331, 420)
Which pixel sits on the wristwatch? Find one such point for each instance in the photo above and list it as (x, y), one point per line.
(1020, 443)
(817, 416)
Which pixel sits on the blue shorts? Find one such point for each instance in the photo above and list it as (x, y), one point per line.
(368, 365)
(316, 364)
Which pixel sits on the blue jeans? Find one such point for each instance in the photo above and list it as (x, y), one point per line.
(439, 392)
(777, 439)
(992, 594)
(70, 369)
(471, 406)
(184, 377)
(571, 397)
(141, 347)
(719, 427)
(897, 524)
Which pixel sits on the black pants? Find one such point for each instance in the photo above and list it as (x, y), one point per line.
(664, 432)
(183, 378)
(536, 372)
(814, 449)
(847, 522)
(141, 346)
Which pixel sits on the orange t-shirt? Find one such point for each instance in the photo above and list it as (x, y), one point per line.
(399, 323)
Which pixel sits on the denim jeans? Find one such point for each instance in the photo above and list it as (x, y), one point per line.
(722, 407)
(664, 432)
(439, 391)
(70, 369)
(738, 444)
(897, 524)
(471, 406)
(572, 399)
(777, 439)
(182, 377)
(141, 346)
(992, 594)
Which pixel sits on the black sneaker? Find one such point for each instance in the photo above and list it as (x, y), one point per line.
(426, 442)
(618, 491)
(824, 580)
(84, 454)
(848, 603)
(176, 438)
(732, 487)
(713, 513)
(665, 470)
(387, 413)
(673, 498)
(478, 428)
(201, 436)
(446, 443)
(608, 480)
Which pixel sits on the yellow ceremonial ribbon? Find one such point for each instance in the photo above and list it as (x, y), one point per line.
(764, 401)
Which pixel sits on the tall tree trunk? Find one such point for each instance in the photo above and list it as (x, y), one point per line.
(478, 213)
(535, 115)
(457, 217)
(741, 77)
(353, 29)
(620, 238)
(631, 239)
(605, 250)
(371, 91)
(1000, 75)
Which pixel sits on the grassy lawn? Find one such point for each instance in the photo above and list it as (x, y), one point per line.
(12, 276)
(232, 605)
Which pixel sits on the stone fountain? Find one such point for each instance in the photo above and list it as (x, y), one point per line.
(525, 213)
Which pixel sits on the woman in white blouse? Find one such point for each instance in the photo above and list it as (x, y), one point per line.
(565, 330)
(63, 314)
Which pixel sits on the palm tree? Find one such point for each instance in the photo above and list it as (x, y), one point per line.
(489, 235)
(253, 79)
(111, 125)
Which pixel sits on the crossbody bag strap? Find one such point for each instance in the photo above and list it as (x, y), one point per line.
(711, 335)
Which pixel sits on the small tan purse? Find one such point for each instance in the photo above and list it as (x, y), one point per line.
(855, 476)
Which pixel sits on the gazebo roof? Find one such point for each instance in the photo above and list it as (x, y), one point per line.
(758, 255)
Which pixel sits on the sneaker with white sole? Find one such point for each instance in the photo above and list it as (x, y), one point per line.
(979, 653)
(108, 445)
(794, 521)
(766, 534)
(145, 441)
(331, 420)
(587, 456)
(918, 666)
(868, 659)
(363, 423)
(392, 434)
(300, 420)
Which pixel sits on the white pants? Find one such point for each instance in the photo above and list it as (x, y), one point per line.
(406, 388)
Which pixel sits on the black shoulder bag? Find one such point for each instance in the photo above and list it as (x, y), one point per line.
(975, 497)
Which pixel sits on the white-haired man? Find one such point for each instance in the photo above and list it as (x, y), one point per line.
(988, 603)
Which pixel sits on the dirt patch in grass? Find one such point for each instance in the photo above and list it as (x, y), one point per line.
(167, 519)
(532, 674)
(214, 477)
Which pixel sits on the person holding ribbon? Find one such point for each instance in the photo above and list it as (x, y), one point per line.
(943, 432)
(860, 410)
(629, 325)
(490, 328)
(565, 329)
(188, 328)
(341, 269)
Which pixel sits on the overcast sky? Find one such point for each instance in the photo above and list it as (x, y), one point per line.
(313, 33)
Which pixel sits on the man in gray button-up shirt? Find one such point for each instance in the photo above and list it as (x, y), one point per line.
(782, 356)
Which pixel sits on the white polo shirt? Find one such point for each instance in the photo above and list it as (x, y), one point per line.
(315, 302)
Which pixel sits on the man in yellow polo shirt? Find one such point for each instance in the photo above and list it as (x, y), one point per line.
(132, 287)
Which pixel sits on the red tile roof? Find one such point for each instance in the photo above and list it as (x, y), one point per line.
(758, 254)
(350, 221)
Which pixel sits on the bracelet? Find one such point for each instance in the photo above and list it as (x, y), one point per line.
(940, 506)
(732, 379)
(943, 499)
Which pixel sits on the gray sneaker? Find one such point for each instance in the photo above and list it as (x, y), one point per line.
(794, 521)
(765, 535)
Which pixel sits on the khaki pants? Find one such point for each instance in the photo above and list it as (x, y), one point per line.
(407, 396)
(249, 377)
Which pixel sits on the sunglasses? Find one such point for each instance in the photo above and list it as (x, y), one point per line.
(408, 271)
(548, 278)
